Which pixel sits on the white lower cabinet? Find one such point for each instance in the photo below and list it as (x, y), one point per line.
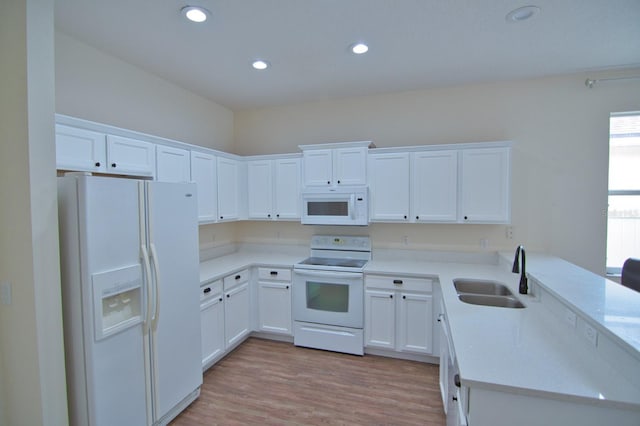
(237, 314)
(212, 322)
(274, 300)
(398, 313)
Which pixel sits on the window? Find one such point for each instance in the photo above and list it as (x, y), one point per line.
(623, 223)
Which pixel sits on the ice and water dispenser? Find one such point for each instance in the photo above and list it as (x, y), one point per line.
(117, 297)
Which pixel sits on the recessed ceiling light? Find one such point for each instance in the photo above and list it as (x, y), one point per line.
(195, 13)
(260, 64)
(359, 48)
(522, 13)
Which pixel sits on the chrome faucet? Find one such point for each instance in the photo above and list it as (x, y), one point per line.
(520, 268)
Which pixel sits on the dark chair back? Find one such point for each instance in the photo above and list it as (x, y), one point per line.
(631, 274)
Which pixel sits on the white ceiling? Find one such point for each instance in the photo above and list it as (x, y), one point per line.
(414, 44)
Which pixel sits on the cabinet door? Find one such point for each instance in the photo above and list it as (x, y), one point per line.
(434, 186)
(389, 187)
(317, 167)
(416, 325)
(79, 149)
(260, 189)
(350, 166)
(203, 173)
(172, 164)
(274, 310)
(227, 189)
(287, 188)
(444, 359)
(212, 330)
(379, 319)
(130, 156)
(236, 314)
(485, 185)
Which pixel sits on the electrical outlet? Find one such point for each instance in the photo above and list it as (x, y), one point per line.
(570, 317)
(484, 243)
(591, 334)
(405, 240)
(509, 232)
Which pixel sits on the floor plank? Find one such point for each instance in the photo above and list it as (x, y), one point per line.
(275, 383)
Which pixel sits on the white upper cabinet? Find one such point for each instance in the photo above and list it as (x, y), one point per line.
(287, 184)
(331, 165)
(79, 149)
(273, 189)
(434, 189)
(485, 185)
(203, 173)
(228, 185)
(172, 164)
(260, 189)
(389, 187)
(130, 156)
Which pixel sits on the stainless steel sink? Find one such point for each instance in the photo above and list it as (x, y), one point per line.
(488, 300)
(481, 287)
(486, 292)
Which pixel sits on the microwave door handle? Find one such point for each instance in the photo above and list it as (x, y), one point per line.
(352, 206)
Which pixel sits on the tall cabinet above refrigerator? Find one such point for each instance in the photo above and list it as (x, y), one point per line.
(130, 291)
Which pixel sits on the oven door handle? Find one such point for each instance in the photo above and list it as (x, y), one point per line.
(328, 274)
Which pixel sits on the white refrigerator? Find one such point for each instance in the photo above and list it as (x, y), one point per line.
(131, 303)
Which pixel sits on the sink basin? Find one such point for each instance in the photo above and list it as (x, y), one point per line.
(489, 300)
(481, 287)
(486, 292)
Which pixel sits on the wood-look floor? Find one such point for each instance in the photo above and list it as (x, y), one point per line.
(276, 383)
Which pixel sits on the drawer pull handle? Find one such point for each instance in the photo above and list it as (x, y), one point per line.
(207, 290)
(238, 277)
(274, 272)
(397, 281)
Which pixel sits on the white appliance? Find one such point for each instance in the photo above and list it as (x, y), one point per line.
(335, 206)
(328, 294)
(130, 292)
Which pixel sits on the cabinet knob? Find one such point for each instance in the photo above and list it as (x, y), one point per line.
(417, 217)
(338, 181)
(220, 299)
(328, 182)
(228, 296)
(455, 398)
(391, 296)
(278, 215)
(268, 215)
(404, 297)
(287, 287)
(466, 217)
(405, 216)
(221, 217)
(113, 165)
(97, 164)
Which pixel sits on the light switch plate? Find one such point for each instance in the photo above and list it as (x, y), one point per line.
(570, 317)
(5, 293)
(591, 334)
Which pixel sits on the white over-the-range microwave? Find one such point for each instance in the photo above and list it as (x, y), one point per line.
(335, 206)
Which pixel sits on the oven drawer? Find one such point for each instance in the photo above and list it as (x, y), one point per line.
(233, 280)
(398, 282)
(274, 274)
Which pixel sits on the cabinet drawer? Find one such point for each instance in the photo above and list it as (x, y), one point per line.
(394, 282)
(274, 274)
(210, 289)
(234, 279)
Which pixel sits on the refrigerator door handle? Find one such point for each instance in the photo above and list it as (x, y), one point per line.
(156, 269)
(147, 269)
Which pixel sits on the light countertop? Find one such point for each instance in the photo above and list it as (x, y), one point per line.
(515, 350)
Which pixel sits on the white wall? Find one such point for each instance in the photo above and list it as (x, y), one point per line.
(560, 133)
(93, 85)
(32, 382)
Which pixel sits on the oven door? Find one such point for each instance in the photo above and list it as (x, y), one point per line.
(328, 297)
